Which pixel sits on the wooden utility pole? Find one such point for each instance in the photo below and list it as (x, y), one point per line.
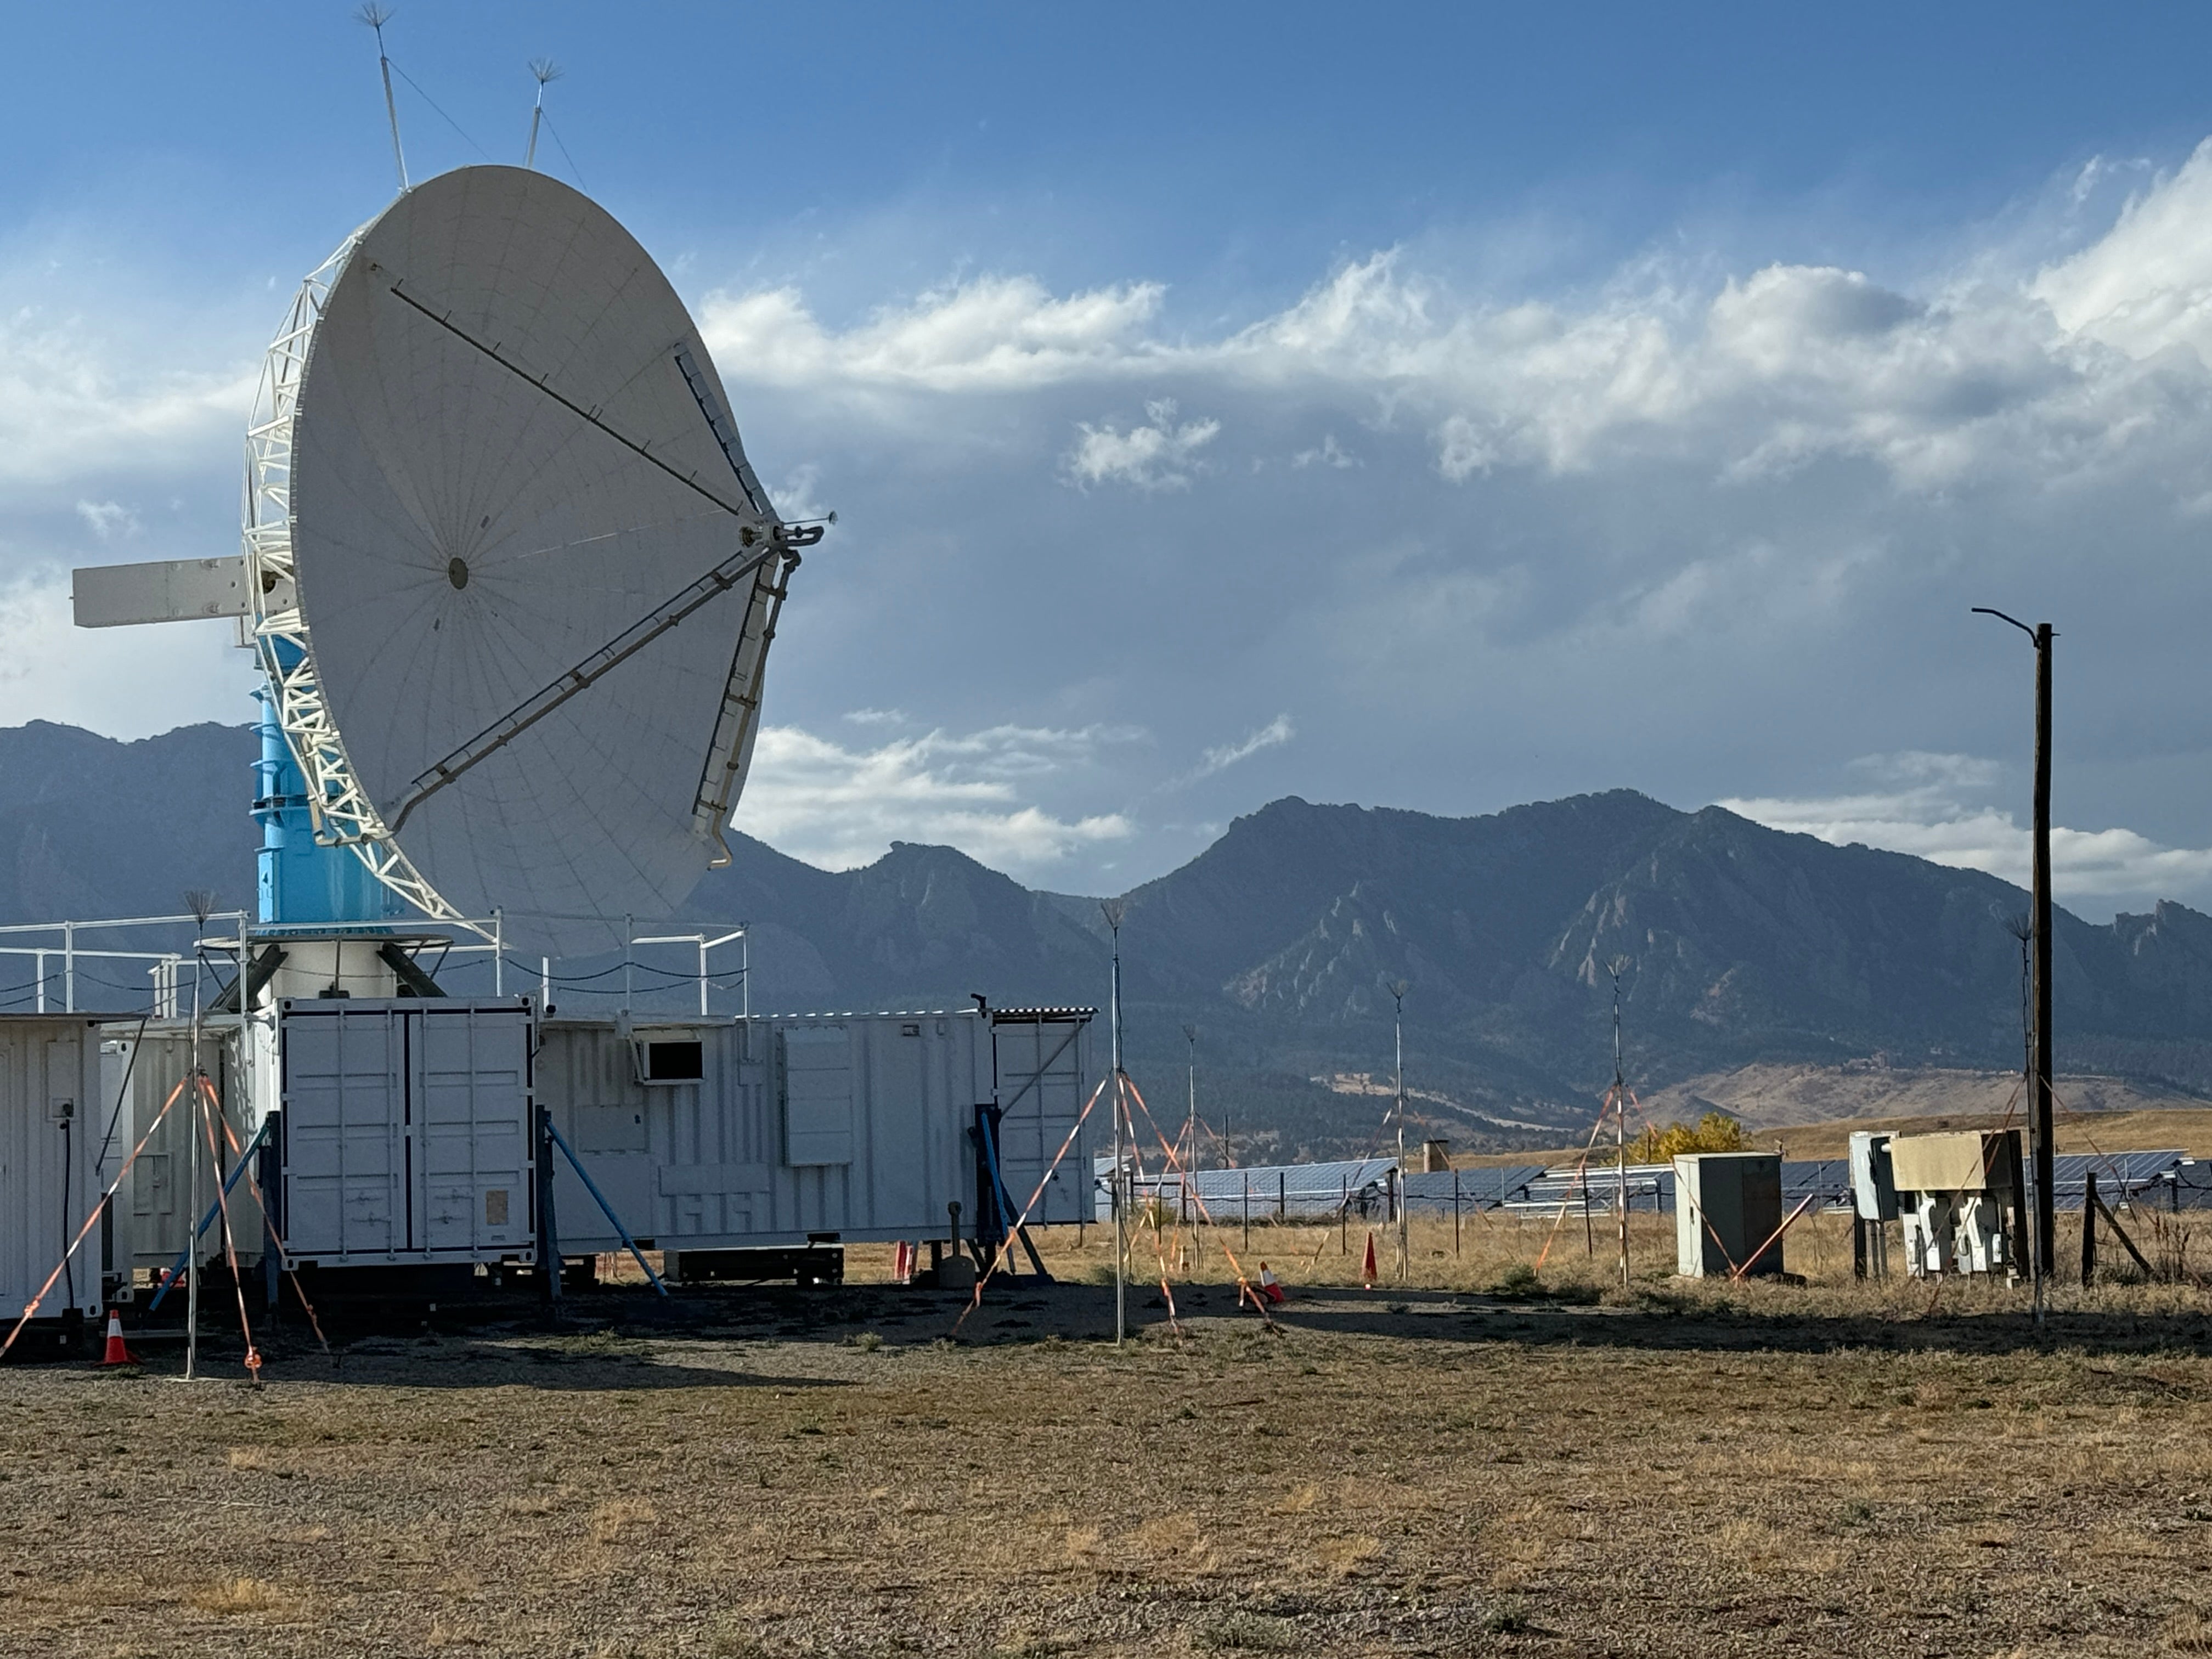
(2039, 1123)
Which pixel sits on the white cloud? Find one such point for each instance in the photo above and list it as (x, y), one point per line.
(1276, 733)
(1928, 813)
(109, 520)
(991, 334)
(1330, 454)
(78, 400)
(1980, 377)
(1158, 456)
(1462, 450)
(795, 497)
(2146, 285)
(839, 807)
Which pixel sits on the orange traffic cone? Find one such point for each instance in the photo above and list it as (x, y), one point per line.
(1367, 1269)
(117, 1354)
(902, 1263)
(1270, 1288)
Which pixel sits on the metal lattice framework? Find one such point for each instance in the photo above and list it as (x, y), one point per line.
(340, 809)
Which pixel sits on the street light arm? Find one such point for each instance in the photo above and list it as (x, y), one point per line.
(1984, 611)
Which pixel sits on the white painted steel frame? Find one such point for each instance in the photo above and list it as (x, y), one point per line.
(340, 809)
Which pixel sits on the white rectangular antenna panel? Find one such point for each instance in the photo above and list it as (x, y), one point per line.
(167, 590)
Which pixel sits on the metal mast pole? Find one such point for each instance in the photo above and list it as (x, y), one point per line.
(1190, 1121)
(2046, 1227)
(1398, 989)
(376, 16)
(545, 69)
(192, 1182)
(1112, 910)
(2040, 1116)
(1620, 1126)
(1190, 1135)
(200, 906)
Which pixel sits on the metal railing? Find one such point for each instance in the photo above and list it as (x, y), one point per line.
(59, 941)
(162, 965)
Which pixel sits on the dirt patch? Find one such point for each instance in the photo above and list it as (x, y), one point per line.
(1423, 1469)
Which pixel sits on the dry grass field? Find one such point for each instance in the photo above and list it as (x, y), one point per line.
(1477, 1462)
(1768, 1096)
(2131, 1129)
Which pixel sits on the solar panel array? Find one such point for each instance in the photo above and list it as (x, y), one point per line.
(1285, 1191)
(1318, 1191)
(2190, 1188)
(2120, 1175)
(1435, 1191)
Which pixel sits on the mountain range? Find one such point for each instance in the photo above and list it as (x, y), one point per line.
(1736, 945)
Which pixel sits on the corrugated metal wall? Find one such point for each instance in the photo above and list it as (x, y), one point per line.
(50, 1123)
(881, 1139)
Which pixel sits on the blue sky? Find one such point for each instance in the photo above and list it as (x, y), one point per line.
(1445, 410)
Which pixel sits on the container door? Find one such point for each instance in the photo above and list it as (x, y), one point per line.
(345, 1143)
(470, 1086)
(1039, 1066)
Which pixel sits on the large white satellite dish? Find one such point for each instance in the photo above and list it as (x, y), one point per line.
(512, 578)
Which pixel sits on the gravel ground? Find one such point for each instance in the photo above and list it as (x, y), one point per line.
(1420, 1471)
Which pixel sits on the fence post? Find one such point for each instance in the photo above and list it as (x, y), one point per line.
(1455, 1213)
(1343, 1219)
(1247, 1210)
(1282, 1196)
(2089, 1231)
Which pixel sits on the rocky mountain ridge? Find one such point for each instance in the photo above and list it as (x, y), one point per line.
(1738, 945)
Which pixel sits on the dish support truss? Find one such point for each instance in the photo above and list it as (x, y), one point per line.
(339, 808)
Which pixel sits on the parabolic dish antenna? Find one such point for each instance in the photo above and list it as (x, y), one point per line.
(513, 578)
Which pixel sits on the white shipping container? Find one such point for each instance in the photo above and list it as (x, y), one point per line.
(729, 1135)
(51, 1126)
(407, 1130)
